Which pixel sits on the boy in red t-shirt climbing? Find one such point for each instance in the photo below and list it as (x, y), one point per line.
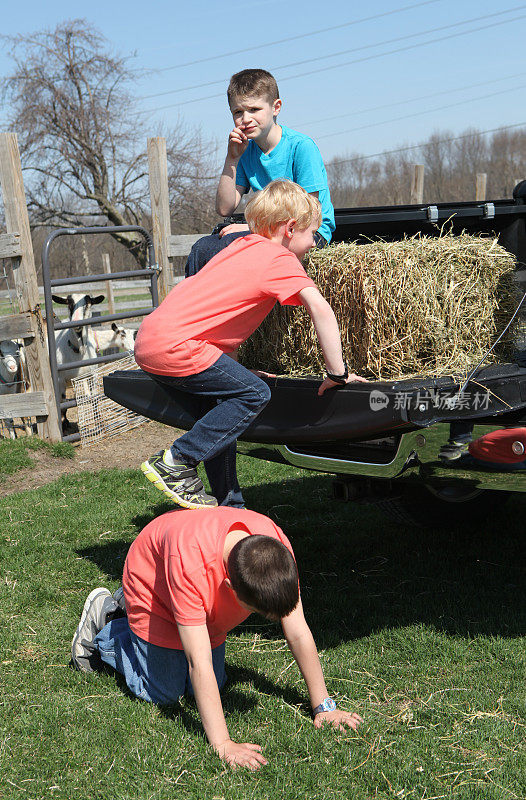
(189, 578)
(189, 342)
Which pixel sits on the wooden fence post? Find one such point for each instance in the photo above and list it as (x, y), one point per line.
(109, 284)
(26, 286)
(417, 185)
(480, 186)
(161, 226)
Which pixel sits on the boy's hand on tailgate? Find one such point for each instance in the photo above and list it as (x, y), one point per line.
(328, 384)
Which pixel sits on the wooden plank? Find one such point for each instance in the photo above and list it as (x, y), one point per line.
(25, 280)
(480, 186)
(417, 185)
(10, 245)
(16, 326)
(28, 404)
(161, 226)
(181, 245)
(109, 284)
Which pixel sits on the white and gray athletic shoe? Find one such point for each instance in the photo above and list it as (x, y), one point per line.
(98, 610)
(118, 596)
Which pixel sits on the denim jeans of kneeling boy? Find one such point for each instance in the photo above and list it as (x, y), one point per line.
(228, 398)
(152, 673)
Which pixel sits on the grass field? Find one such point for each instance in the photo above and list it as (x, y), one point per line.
(418, 631)
(14, 454)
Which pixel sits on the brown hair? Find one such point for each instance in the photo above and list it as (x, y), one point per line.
(252, 83)
(278, 202)
(264, 575)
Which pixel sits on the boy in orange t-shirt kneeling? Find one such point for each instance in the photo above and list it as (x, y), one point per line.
(189, 578)
(189, 343)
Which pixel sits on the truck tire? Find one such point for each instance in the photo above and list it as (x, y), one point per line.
(444, 506)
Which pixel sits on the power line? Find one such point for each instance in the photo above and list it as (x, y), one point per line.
(420, 113)
(416, 146)
(410, 100)
(343, 52)
(299, 36)
(355, 61)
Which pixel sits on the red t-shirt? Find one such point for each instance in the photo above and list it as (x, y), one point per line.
(498, 446)
(216, 310)
(174, 572)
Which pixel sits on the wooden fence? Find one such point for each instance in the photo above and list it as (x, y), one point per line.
(28, 325)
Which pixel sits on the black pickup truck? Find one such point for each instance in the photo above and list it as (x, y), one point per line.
(381, 440)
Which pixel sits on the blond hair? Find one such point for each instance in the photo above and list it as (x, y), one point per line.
(278, 202)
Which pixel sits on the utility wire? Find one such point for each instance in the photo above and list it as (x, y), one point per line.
(410, 100)
(354, 61)
(311, 60)
(423, 144)
(420, 113)
(299, 36)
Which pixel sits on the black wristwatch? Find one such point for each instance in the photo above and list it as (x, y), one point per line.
(341, 379)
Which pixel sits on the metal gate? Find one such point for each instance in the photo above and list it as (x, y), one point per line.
(52, 326)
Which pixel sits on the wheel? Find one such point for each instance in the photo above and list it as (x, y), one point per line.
(445, 505)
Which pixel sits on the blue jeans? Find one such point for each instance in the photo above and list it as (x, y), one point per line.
(461, 431)
(229, 397)
(152, 673)
(206, 248)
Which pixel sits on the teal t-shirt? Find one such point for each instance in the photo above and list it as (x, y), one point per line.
(296, 157)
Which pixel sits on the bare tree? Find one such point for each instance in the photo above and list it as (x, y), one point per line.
(80, 138)
(193, 174)
(451, 165)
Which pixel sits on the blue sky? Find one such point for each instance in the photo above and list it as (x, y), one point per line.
(358, 96)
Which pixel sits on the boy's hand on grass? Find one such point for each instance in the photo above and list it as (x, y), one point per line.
(241, 755)
(328, 384)
(234, 228)
(237, 144)
(338, 719)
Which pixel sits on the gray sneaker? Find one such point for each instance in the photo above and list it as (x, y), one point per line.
(118, 596)
(98, 610)
(180, 482)
(453, 450)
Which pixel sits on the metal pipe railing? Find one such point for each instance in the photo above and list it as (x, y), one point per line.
(150, 271)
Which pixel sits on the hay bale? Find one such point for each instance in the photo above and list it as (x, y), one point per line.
(420, 306)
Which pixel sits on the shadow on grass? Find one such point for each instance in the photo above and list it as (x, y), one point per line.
(362, 571)
(233, 698)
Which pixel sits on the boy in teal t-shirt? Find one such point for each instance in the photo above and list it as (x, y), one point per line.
(260, 151)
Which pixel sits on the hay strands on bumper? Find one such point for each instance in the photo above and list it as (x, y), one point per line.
(296, 415)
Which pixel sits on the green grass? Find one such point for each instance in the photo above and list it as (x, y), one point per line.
(15, 454)
(418, 631)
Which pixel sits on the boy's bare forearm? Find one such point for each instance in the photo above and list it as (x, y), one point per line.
(209, 703)
(328, 334)
(305, 653)
(227, 196)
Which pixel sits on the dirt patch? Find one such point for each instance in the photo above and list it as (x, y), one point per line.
(125, 451)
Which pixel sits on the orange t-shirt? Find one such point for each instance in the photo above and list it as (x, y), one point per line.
(174, 573)
(216, 310)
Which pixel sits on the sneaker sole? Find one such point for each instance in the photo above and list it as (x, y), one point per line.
(153, 476)
(453, 456)
(87, 606)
